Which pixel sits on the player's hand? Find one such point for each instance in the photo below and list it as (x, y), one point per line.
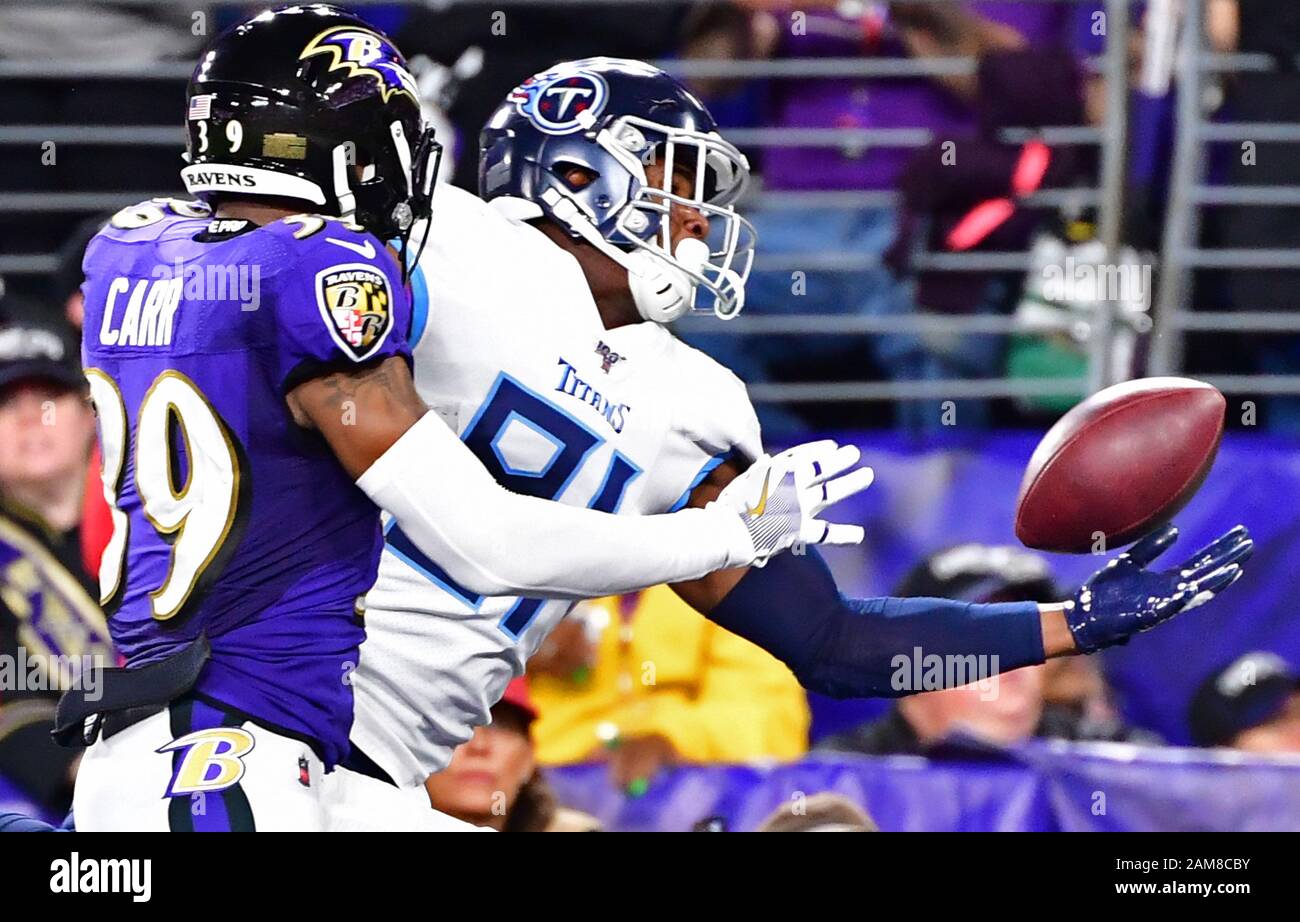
(780, 497)
(1124, 598)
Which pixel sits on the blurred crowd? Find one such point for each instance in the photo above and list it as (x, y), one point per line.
(639, 683)
(854, 219)
(642, 683)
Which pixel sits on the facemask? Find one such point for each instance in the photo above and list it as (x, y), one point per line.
(664, 292)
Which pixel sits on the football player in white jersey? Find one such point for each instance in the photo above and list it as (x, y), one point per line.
(539, 339)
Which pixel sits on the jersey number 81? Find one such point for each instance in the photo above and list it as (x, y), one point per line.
(507, 402)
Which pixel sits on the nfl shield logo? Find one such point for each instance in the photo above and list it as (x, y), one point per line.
(608, 357)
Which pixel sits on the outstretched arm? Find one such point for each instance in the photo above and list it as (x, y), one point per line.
(495, 542)
(849, 648)
(866, 647)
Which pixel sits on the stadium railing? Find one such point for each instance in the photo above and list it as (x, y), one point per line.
(1180, 254)
(1182, 249)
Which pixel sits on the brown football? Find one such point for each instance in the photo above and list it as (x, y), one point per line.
(1119, 464)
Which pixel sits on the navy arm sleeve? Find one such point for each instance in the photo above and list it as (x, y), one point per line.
(850, 648)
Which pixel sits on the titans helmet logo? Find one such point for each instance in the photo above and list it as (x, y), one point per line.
(360, 52)
(561, 102)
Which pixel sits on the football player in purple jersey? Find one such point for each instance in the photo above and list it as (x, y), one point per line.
(247, 356)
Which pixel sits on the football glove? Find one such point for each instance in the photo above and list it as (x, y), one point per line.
(1124, 598)
(780, 497)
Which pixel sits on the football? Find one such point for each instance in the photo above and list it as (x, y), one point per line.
(1119, 464)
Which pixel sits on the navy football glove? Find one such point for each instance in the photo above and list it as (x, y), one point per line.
(1124, 598)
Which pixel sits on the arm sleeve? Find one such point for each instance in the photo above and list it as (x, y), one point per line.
(495, 542)
(848, 648)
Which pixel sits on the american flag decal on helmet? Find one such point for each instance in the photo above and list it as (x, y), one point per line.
(200, 107)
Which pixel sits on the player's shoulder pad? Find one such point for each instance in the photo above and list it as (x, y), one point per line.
(320, 239)
(462, 203)
(148, 219)
(713, 405)
(463, 226)
(141, 223)
(355, 283)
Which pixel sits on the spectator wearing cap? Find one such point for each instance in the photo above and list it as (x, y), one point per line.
(47, 600)
(493, 779)
(644, 682)
(798, 236)
(1252, 704)
(998, 711)
(47, 428)
(65, 283)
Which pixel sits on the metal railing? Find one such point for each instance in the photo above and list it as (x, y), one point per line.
(1180, 255)
(1182, 250)
(1107, 199)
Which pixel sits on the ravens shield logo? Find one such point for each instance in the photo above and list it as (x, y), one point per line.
(357, 305)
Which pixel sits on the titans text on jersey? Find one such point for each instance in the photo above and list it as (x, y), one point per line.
(511, 352)
(571, 384)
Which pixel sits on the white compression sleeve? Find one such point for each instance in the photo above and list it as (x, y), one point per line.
(495, 542)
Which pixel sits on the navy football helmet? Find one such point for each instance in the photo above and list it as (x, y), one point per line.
(612, 117)
(287, 105)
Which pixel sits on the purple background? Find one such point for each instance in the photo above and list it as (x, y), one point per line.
(933, 494)
(1036, 787)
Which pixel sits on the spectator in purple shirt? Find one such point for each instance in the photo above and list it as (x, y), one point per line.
(793, 274)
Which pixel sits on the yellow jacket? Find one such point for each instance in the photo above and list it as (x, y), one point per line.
(660, 667)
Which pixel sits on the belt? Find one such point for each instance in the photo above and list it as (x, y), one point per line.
(127, 696)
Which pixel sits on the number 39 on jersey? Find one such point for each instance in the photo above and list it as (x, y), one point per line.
(188, 475)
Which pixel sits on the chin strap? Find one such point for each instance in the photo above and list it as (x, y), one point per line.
(347, 202)
(662, 292)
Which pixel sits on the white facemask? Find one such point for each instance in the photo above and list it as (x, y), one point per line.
(663, 292)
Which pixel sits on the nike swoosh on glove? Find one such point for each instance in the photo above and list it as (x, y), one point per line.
(781, 497)
(1124, 598)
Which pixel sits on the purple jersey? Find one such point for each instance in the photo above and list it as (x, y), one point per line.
(230, 519)
(886, 103)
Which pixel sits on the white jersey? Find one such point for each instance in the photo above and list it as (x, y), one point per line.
(511, 353)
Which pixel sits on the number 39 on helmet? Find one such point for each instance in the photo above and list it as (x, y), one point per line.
(311, 103)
